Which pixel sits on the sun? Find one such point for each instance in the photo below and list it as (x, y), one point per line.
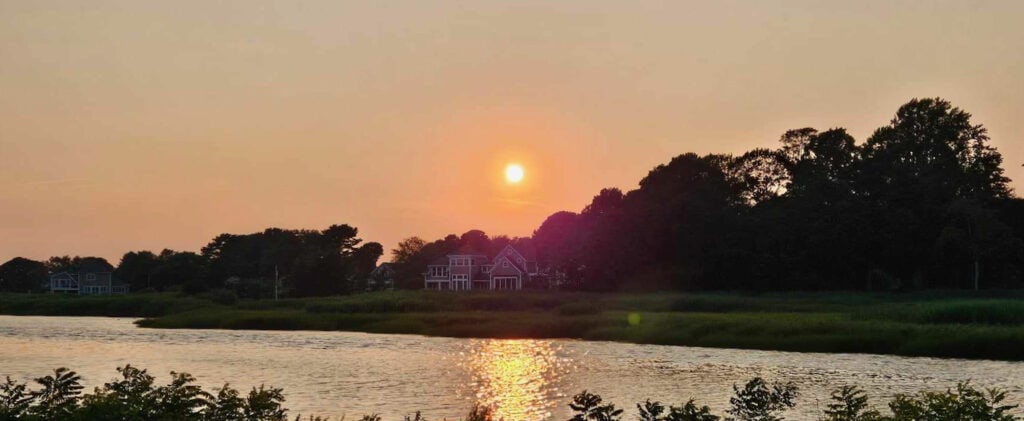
(514, 173)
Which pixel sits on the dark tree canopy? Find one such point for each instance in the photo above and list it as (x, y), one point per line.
(923, 203)
(22, 275)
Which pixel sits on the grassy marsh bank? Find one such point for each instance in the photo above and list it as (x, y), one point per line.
(937, 324)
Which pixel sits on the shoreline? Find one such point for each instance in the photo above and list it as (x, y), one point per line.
(939, 325)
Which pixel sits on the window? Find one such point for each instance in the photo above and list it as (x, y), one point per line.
(504, 263)
(487, 269)
(90, 277)
(438, 272)
(505, 282)
(460, 282)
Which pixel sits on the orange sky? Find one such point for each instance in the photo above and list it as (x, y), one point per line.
(128, 125)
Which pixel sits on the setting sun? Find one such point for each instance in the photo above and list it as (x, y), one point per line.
(514, 173)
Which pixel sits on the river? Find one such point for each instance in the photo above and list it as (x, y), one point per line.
(345, 373)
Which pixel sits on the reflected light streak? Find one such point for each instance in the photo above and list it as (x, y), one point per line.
(516, 378)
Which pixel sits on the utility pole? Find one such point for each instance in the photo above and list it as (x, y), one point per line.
(277, 281)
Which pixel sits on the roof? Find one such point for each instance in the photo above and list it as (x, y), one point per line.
(384, 268)
(440, 261)
(467, 251)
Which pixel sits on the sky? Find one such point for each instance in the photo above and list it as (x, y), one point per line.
(128, 125)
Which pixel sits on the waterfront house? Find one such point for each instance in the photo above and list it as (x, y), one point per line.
(466, 270)
(382, 278)
(87, 280)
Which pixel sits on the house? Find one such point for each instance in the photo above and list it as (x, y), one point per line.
(383, 277)
(87, 280)
(469, 270)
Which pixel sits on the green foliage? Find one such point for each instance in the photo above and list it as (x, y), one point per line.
(650, 411)
(264, 404)
(690, 412)
(655, 411)
(588, 407)
(850, 404)
(758, 401)
(15, 399)
(961, 404)
(58, 396)
(133, 397)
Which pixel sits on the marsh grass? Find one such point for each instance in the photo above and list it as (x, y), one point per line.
(938, 324)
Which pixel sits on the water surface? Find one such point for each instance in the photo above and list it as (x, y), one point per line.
(344, 373)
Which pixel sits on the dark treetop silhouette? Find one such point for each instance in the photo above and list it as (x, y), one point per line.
(923, 203)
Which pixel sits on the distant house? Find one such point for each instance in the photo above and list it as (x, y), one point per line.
(469, 270)
(88, 280)
(383, 277)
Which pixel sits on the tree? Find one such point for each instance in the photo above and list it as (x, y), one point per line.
(758, 401)
(850, 404)
(22, 275)
(364, 262)
(588, 408)
(59, 394)
(973, 233)
(59, 264)
(407, 249)
(136, 268)
(825, 169)
(763, 174)
(932, 152)
(557, 241)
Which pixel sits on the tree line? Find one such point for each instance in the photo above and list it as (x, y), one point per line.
(293, 262)
(923, 203)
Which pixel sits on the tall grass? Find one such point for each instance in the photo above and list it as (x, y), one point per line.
(939, 324)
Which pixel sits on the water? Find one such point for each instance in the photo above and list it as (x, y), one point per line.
(342, 373)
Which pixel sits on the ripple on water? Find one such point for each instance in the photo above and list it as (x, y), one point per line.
(342, 373)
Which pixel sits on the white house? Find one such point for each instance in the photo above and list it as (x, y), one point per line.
(87, 281)
(469, 270)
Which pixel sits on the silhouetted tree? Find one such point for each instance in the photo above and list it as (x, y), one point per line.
(22, 275)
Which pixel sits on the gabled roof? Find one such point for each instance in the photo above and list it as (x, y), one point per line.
(512, 263)
(383, 268)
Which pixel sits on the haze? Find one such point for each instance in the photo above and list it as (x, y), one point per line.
(129, 125)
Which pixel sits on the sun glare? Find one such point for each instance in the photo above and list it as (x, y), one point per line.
(514, 173)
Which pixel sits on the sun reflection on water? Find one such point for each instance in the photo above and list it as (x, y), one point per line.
(518, 379)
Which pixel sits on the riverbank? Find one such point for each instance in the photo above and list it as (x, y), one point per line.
(960, 325)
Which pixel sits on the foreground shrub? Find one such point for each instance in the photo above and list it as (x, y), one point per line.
(134, 397)
(850, 404)
(965, 403)
(652, 411)
(759, 402)
(588, 407)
